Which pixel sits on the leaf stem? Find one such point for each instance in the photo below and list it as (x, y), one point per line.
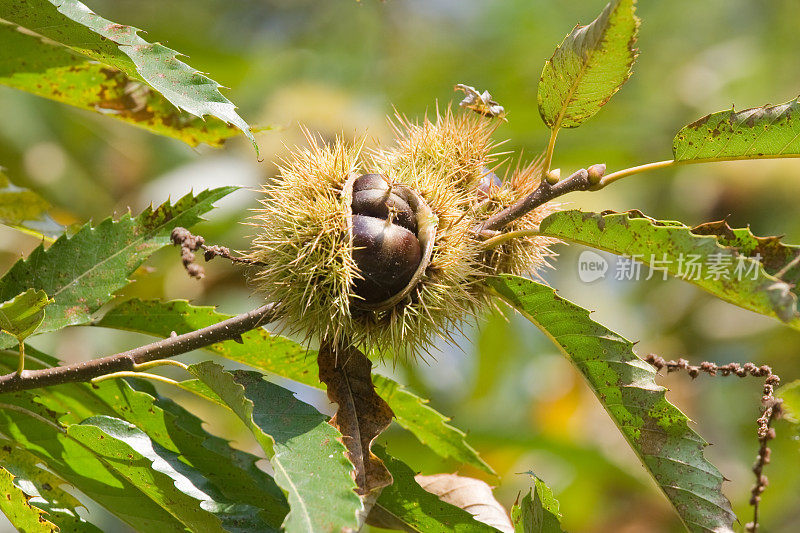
(614, 176)
(548, 154)
(497, 240)
(129, 374)
(21, 365)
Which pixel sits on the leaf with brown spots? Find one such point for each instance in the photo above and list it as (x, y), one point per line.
(699, 256)
(21, 514)
(60, 49)
(361, 415)
(589, 67)
(768, 131)
(35, 500)
(655, 429)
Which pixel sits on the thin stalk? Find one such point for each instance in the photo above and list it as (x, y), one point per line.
(548, 154)
(614, 176)
(129, 374)
(503, 238)
(21, 365)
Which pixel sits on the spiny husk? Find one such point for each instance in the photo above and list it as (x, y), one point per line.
(304, 243)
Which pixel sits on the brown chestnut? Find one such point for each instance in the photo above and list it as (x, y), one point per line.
(373, 196)
(387, 256)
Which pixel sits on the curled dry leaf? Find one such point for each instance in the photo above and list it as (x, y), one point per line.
(361, 415)
(472, 495)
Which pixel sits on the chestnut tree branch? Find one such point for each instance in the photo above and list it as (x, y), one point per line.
(230, 329)
(579, 181)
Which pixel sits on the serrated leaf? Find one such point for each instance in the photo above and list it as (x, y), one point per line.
(19, 512)
(33, 428)
(760, 132)
(81, 272)
(233, 472)
(407, 506)
(71, 24)
(537, 512)
(47, 69)
(159, 473)
(304, 450)
(703, 260)
(589, 67)
(41, 490)
(625, 385)
(361, 415)
(24, 313)
(24, 209)
(285, 358)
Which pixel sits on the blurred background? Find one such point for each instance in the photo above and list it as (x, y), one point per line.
(343, 66)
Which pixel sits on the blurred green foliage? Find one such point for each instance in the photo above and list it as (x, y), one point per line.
(343, 66)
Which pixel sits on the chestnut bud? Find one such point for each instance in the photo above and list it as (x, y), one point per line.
(488, 182)
(387, 256)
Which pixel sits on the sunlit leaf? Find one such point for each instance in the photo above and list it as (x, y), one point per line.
(537, 512)
(81, 272)
(304, 450)
(24, 209)
(21, 514)
(589, 67)
(760, 132)
(34, 428)
(233, 473)
(70, 24)
(160, 474)
(41, 490)
(24, 313)
(625, 385)
(728, 267)
(285, 358)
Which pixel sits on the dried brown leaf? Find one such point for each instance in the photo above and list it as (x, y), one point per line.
(361, 415)
(472, 495)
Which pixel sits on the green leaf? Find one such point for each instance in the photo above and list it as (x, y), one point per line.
(790, 394)
(24, 313)
(537, 512)
(711, 262)
(71, 24)
(625, 385)
(233, 472)
(41, 493)
(32, 427)
(22, 208)
(49, 70)
(159, 473)
(288, 359)
(427, 424)
(761, 132)
(589, 67)
(405, 505)
(304, 450)
(19, 512)
(82, 272)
